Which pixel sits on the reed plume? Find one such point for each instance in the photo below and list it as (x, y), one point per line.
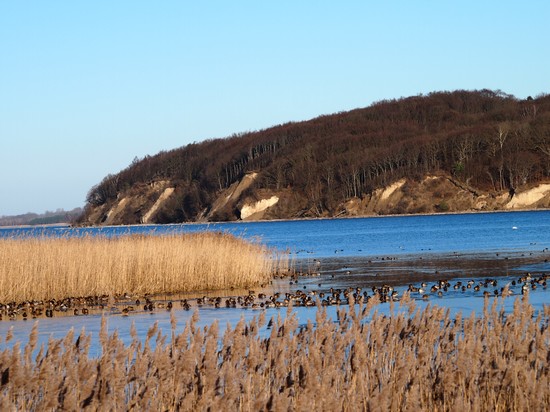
(422, 359)
(46, 268)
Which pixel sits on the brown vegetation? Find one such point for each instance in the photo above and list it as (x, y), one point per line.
(422, 360)
(57, 268)
(486, 140)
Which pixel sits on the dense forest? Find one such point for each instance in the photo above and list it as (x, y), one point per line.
(485, 139)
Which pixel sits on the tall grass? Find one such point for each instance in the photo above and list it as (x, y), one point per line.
(415, 360)
(48, 268)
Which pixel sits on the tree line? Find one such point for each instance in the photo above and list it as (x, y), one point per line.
(486, 139)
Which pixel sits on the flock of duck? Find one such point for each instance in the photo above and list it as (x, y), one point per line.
(527, 282)
(39, 308)
(125, 305)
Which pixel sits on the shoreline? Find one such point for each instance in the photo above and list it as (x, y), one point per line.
(466, 212)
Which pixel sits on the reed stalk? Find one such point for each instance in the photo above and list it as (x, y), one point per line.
(46, 268)
(417, 360)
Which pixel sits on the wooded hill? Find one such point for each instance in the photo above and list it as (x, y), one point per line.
(482, 140)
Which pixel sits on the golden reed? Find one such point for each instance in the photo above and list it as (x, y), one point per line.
(46, 268)
(410, 360)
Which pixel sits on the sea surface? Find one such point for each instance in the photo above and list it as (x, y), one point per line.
(371, 236)
(520, 240)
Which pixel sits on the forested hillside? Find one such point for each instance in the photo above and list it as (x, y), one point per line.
(481, 140)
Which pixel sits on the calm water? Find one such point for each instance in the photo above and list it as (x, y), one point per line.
(374, 236)
(483, 233)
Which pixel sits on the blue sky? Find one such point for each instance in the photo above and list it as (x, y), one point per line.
(87, 86)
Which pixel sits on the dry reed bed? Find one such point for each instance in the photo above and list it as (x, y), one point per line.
(47, 268)
(411, 360)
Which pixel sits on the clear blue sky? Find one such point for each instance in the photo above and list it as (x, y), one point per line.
(87, 86)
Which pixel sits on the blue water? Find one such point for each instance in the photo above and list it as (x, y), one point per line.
(372, 236)
(364, 237)
(57, 328)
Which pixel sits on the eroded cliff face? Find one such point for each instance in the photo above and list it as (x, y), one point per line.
(440, 194)
(134, 206)
(433, 194)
